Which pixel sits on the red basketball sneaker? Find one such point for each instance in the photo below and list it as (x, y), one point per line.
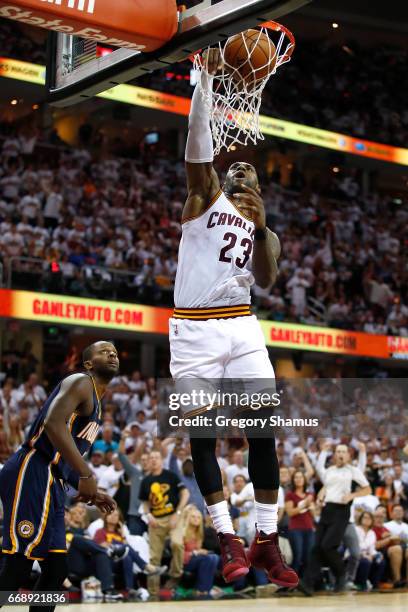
(266, 554)
(234, 561)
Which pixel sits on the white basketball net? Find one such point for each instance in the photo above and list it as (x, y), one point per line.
(234, 102)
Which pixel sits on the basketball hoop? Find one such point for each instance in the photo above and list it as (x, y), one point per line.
(235, 100)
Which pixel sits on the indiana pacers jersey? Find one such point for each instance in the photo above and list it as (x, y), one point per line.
(31, 485)
(215, 255)
(84, 430)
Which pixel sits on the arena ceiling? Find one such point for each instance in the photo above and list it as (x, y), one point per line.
(376, 13)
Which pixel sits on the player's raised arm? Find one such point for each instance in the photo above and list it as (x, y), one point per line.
(76, 393)
(202, 180)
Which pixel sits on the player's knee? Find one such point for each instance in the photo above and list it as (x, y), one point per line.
(54, 570)
(15, 571)
(262, 446)
(206, 468)
(263, 466)
(202, 447)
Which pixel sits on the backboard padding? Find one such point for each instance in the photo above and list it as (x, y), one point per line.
(199, 27)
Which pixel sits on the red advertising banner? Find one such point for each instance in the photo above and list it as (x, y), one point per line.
(68, 310)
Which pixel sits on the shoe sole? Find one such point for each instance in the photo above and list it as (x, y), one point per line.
(236, 574)
(282, 583)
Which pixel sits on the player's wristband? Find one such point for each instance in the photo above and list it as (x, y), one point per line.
(260, 233)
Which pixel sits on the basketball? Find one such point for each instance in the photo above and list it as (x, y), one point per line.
(252, 54)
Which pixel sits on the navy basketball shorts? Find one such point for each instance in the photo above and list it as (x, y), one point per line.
(33, 506)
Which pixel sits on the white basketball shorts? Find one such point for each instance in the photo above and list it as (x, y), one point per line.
(218, 348)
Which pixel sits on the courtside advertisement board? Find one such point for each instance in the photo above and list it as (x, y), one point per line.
(68, 310)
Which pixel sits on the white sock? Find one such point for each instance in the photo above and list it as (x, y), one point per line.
(266, 517)
(221, 517)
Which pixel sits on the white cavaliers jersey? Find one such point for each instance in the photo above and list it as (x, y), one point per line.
(215, 258)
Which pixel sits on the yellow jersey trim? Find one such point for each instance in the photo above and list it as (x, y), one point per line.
(212, 201)
(98, 399)
(56, 550)
(219, 312)
(44, 517)
(16, 501)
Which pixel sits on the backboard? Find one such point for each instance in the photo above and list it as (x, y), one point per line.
(78, 68)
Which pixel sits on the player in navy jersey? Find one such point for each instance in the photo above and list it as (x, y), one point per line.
(32, 480)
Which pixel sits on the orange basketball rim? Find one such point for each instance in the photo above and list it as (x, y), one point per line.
(133, 24)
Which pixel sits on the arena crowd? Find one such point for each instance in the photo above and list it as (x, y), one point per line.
(361, 98)
(51, 238)
(161, 542)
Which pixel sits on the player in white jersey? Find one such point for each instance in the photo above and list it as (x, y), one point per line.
(225, 248)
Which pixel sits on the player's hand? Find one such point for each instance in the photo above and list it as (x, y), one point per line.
(105, 503)
(276, 249)
(347, 498)
(250, 203)
(212, 61)
(87, 490)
